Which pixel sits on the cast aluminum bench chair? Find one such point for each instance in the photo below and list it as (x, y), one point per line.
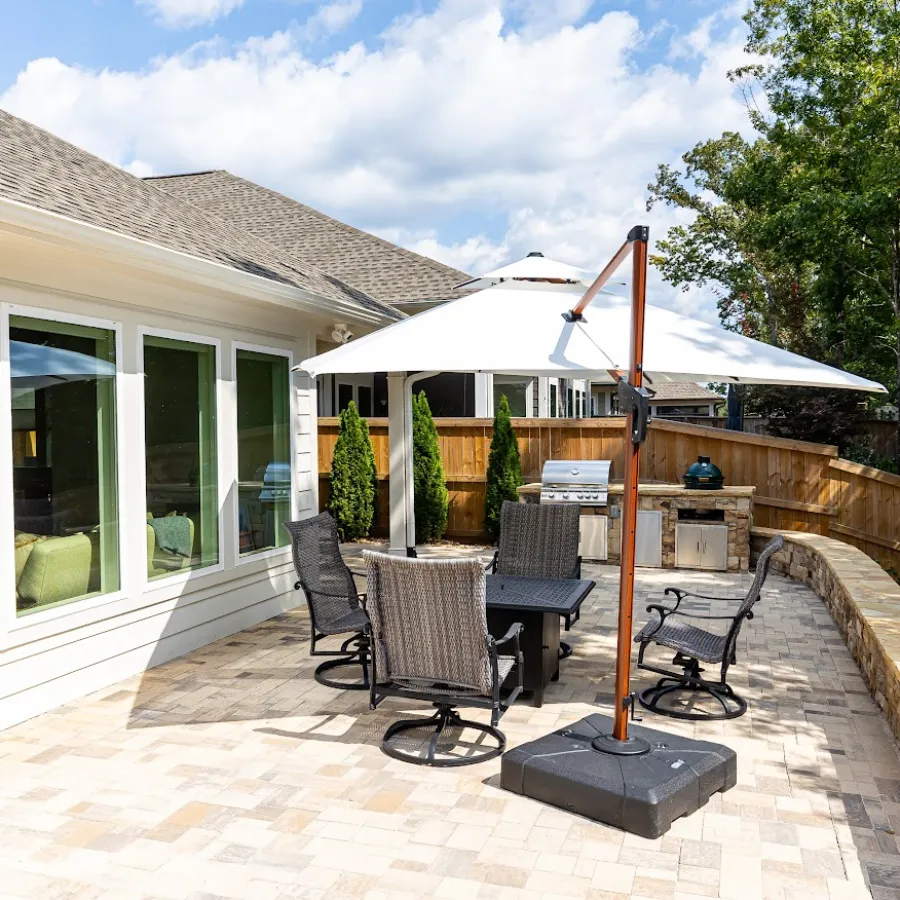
(430, 642)
(335, 605)
(540, 541)
(693, 645)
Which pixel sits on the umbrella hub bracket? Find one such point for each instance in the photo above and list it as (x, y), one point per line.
(636, 403)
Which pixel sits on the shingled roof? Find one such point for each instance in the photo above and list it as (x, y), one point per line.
(47, 173)
(378, 267)
(684, 391)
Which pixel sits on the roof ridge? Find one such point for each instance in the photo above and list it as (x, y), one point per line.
(411, 254)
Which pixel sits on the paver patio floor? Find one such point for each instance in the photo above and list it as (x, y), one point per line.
(230, 773)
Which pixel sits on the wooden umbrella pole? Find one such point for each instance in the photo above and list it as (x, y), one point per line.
(630, 496)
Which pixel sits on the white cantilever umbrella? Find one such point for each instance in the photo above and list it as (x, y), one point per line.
(517, 328)
(534, 267)
(543, 328)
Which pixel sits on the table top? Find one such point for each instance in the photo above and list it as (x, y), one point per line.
(554, 595)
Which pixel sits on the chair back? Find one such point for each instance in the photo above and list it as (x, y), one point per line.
(429, 622)
(323, 575)
(745, 610)
(539, 540)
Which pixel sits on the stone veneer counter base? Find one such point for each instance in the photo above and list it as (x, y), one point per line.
(863, 600)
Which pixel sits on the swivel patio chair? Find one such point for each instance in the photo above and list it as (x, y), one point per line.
(540, 541)
(693, 645)
(430, 642)
(335, 606)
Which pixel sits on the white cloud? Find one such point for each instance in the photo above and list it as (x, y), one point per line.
(188, 13)
(453, 116)
(331, 18)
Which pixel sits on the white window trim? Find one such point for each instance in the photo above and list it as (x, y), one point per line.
(222, 482)
(275, 552)
(10, 623)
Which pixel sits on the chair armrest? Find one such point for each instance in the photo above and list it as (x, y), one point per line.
(492, 565)
(689, 615)
(514, 631)
(682, 594)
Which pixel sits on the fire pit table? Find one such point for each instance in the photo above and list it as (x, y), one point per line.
(538, 603)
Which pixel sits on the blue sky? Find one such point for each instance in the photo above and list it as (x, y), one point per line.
(473, 130)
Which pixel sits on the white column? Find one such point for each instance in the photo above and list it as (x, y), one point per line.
(484, 395)
(398, 452)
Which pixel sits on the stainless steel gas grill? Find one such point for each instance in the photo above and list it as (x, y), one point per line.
(584, 481)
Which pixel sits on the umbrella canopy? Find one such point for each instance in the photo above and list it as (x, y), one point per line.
(534, 267)
(38, 366)
(517, 328)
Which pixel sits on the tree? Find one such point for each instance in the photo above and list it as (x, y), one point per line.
(432, 501)
(352, 497)
(372, 467)
(504, 472)
(798, 228)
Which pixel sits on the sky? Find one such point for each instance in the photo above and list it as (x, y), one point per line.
(474, 131)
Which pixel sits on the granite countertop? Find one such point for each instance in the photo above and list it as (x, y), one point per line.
(655, 489)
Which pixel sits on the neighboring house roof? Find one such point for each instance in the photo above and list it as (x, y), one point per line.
(376, 266)
(45, 172)
(685, 393)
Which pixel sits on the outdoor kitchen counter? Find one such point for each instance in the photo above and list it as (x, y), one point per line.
(732, 506)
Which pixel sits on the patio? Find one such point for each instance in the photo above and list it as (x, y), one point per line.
(231, 774)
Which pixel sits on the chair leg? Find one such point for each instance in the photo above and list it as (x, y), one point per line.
(733, 705)
(445, 718)
(565, 650)
(357, 657)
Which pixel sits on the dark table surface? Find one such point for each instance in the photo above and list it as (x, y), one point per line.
(562, 596)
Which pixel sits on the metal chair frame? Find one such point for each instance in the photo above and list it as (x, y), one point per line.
(354, 651)
(688, 656)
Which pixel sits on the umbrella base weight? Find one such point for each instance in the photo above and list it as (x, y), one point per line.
(642, 794)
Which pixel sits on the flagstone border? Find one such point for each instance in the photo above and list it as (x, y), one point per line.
(863, 599)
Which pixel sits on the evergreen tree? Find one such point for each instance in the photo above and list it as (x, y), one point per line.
(373, 468)
(504, 472)
(351, 502)
(431, 498)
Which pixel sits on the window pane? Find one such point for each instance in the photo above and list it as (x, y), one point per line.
(553, 409)
(365, 401)
(264, 464)
(64, 462)
(345, 395)
(515, 396)
(180, 434)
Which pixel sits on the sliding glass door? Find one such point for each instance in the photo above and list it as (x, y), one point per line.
(182, 530)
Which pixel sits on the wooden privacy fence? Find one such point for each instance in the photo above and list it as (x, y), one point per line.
(799, 486)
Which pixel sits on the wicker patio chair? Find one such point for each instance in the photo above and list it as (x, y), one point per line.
(693, 645)
(335, 605)
(430, 642)
(540, 541)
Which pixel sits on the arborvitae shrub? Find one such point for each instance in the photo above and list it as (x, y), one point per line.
(431, 499)
(352, 499)
(504, 472)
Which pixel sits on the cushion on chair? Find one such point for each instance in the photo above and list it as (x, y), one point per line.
(686, 639)
(60, 568)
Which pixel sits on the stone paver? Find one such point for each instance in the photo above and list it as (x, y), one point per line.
(231, 774)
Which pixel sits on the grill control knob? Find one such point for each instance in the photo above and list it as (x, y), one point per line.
(565, 495)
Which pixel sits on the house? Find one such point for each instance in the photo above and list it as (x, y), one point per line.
(153, 438)
(407, 281)
(665, 400)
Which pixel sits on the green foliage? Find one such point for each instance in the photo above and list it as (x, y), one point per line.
(352, 497)
(797, 227)
(373, 467)
(432, 501)
(504, 472)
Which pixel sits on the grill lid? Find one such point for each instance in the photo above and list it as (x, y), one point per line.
(589, 472)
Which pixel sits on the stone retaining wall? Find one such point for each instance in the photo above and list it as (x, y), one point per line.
(864, 602)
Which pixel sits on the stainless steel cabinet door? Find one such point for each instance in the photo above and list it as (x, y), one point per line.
(648, 543)
(701, 546)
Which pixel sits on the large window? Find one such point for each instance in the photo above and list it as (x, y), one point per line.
(180, 437)
(264, 464)
(515, 390)
(63, 381)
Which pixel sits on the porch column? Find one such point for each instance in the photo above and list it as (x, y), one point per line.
(400, 464)
(484, 395)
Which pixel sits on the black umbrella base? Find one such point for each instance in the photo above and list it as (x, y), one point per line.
(640, 793)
